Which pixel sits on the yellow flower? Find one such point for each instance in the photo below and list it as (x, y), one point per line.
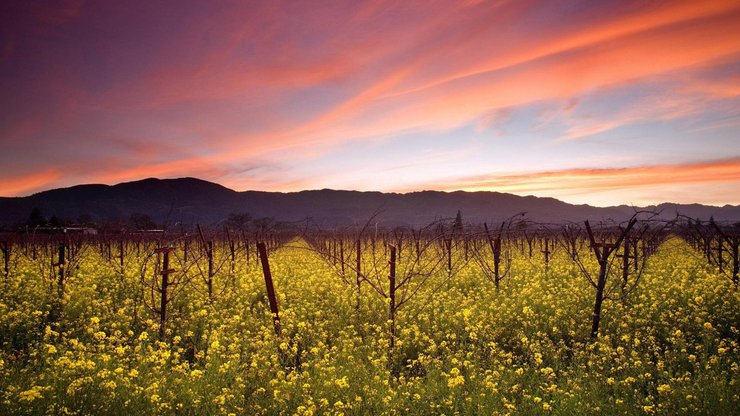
(342, 383)
(455, 379)
(31, 394)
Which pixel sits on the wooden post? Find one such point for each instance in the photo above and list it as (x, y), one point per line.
(448, 245)
(60, 264)
(720, 249)
(185, 250)
(546, 251)
(120, 255)
(625, 262)
(341, 254)
(163, 291)
(270, 288)
(600, 285)
(392, 296)
(6, 258)
(232, 250)
(209, 253)
(636, 253)
(735, 265)
(358, 264)
(495, 244)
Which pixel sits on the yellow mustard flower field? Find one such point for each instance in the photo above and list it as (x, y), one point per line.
(459, 344)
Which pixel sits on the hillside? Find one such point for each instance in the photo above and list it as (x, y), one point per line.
(188, 201)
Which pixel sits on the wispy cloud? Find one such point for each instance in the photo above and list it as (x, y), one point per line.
(622, 182)
(207, 89)
(25, 184)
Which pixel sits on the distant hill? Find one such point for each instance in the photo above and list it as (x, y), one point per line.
(189, 201)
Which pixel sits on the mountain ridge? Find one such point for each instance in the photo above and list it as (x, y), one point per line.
(191, 200)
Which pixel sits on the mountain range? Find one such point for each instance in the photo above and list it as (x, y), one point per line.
(188, 201)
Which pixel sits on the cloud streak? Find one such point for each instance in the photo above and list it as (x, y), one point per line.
(107, 91)
(577, 182)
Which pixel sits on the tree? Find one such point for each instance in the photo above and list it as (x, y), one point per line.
(239, 221)
(457, 225)
(142, 221)
(36, 218)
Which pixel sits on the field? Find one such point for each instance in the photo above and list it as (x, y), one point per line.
(456, 343)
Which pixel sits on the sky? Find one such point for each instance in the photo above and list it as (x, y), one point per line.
(599, 102)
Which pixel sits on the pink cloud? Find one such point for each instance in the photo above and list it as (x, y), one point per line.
(619, 182)
(288, 82)
(28, 183)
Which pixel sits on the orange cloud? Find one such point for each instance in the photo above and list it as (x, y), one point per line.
(638, 48)
(25, 184)
(285, 84)
(621, 183)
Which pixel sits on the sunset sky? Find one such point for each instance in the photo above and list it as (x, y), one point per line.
(599, 102)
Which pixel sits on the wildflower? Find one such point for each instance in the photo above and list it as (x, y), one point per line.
(31, 394)
(342, 383)
(456, 379)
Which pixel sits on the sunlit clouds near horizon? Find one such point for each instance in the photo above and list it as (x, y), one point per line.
(604, 103)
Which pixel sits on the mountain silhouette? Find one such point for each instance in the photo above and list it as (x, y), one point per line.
(187, 201)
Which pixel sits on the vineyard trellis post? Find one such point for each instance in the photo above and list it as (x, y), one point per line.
(7, 246)
(60, 264)
(392, 298)
(164, 286)
(272, 299)
(358, 265)
(120, 256)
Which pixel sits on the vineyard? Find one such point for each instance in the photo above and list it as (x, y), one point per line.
(640, 317)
